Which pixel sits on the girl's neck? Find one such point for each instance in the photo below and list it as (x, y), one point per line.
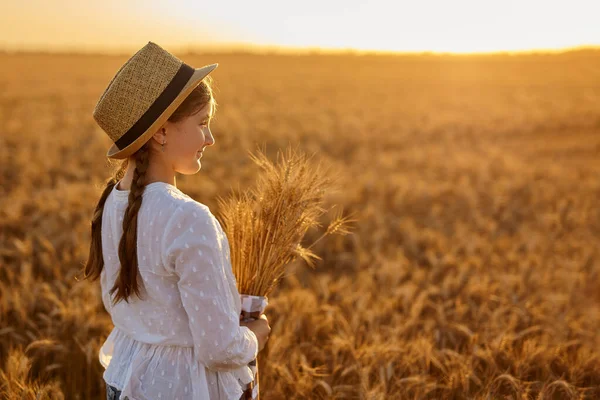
(152, 175)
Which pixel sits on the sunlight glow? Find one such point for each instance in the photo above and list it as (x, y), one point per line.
(425, 25)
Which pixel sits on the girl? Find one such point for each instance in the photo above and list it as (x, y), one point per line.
(162, 258)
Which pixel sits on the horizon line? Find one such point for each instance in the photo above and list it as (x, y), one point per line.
(290, 50)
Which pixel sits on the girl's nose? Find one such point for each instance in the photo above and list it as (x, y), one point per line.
(210, 139)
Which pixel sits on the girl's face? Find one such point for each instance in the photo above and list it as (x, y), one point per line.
(186, 139)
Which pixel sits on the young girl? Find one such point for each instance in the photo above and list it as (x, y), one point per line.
(163, 258)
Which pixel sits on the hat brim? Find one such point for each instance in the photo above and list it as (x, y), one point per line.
(192, 83)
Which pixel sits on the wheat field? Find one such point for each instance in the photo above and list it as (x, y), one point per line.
(472, 273)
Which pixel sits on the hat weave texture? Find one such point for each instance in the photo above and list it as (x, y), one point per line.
(134, 88)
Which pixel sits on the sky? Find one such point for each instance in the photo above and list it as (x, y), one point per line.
(459, 26)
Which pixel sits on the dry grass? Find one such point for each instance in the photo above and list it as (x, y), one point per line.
(473, 271)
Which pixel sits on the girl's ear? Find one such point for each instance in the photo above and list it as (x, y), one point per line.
(161, 134)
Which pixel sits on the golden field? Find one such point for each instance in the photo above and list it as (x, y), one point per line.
(473, 272)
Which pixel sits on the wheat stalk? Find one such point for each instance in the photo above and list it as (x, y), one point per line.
(265, 225)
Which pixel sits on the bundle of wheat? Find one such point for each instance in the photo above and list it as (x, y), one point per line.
(266, 224)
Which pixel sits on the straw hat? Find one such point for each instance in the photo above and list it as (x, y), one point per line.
(142, 95)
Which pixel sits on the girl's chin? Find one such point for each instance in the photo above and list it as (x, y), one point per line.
(191, 169)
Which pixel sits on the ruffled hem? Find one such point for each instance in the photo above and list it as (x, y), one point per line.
(126, 361)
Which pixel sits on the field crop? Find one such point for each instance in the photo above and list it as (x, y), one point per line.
(472, 273)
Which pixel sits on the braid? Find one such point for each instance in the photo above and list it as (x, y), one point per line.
(127, 282)
(95, 261)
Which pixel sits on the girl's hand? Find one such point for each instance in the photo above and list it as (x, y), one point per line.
(261, 329)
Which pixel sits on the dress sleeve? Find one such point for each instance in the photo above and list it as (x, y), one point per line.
(194, 251)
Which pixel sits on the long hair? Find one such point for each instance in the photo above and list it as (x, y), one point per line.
(127, 282)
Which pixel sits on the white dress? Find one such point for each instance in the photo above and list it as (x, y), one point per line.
(183, 340)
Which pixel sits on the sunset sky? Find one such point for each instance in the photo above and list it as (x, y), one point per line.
(423, 25)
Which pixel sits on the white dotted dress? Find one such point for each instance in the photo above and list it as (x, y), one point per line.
(183, 340)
